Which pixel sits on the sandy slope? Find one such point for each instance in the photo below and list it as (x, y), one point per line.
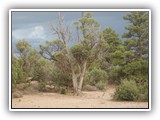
(94, 99)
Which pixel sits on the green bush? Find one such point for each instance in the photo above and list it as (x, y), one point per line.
(101, 85)
(61, 79)
(43, 70)
(143, 92)
(97, 77)
(47, 72)
(115, 74)
(142, 84)
(128, 90)
(18, 75)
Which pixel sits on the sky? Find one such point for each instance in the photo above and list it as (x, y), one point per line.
(35, 26)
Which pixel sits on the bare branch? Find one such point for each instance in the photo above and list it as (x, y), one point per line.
(54, 30)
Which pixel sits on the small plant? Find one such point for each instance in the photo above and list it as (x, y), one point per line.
(128, 90)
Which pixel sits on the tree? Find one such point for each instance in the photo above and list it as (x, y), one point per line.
(138, 33)
(136, 49)
(28, 58)
(136, 44)
(24, 48)
(74, 59)
(114, 55)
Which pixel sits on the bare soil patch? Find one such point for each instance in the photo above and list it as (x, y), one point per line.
(89, 99)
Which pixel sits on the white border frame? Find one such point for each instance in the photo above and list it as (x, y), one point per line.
(70, 10)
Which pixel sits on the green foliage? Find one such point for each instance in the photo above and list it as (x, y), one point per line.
(130, 44)
(136, 68)
(101, 85)
(60, 78)
(47, 73)
(143, 88)
(117, 57)
(128, 90)
(111, 37)
(50, 48)
(139, 21)
(97, 77)
(43, 70)
(115, 74)
(138, 32)
(79, 53)
(24, 47)
(28, 57)
(114, 56)
(58, 56)
(18, 75)
(33, 59)
(89, 28)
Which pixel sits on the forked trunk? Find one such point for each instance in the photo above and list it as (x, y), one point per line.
(78, 78)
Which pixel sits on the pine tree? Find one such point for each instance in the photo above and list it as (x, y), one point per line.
(136, 44)
(115, 54)
(136, 50)
(138, 34)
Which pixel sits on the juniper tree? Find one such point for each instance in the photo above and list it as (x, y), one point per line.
(74, 59)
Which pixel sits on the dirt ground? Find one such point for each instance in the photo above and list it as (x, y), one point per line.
(94, 99)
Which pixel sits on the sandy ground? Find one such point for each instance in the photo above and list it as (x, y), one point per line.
(94, 99)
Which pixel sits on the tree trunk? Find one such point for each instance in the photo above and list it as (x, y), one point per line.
(77, 79)
(81, 78)
(74, 79)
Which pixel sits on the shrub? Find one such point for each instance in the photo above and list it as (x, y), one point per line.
(143, 92)
(128, 90)
(142, 84)
(115, 74)
(43, 70)
(97, 76)
(61, 79)
(18, 75)
(101, 85)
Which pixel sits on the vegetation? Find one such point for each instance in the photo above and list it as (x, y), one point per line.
(98, 58)
(97, 77)
(128, 90)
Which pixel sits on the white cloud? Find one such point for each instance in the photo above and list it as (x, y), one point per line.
(36, 32)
